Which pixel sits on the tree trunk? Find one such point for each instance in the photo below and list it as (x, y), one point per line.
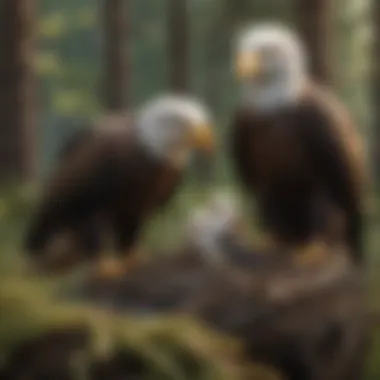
(116, 57)
(376, 89)
(178, 49)
(178, 43)
(314, 19)
(17, 89)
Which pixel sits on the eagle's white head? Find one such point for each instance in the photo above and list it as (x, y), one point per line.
(271, 65)
(172, 127)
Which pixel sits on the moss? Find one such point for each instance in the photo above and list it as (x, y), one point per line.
(168, 347)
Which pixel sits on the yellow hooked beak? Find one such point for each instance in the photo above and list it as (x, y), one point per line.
(248, 65)
(202, 138)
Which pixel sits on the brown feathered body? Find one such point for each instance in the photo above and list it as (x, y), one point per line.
(89, 236)
(106, 175)
(305, 166)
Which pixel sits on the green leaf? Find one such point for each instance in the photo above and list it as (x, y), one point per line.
(53, 25)
(47, 63)
(67, 101)
(85, 18)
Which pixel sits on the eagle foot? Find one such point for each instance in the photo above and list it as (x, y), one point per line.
(313, 254)
(267, 242)
(112, 268)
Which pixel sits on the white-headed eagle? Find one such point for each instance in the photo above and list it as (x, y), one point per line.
(294, 146)
(122, 171)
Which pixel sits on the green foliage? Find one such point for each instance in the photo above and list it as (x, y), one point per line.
(352, 57)
(373, 364)
(169, 347)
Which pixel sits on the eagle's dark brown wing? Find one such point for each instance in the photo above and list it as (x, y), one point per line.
(74, 142)
(83, 182)
(337, 154)
(76, 188)
(88, 237)
(240, 141)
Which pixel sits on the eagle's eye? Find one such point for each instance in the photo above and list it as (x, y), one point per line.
(173, 123)
(268, 51)
(271, 55)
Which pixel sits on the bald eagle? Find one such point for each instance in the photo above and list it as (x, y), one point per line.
(121, 172)
(295, 147)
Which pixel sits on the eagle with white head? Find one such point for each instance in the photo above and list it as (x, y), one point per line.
(295, 147)
(122, 172)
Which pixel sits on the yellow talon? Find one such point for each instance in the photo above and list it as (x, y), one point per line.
(111, 267)
(130, 261)
(311, 254)
(267, 242)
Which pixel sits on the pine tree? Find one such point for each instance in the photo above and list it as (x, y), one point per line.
(314, 19)
(115, 54)
(17, 89)
(178, 45)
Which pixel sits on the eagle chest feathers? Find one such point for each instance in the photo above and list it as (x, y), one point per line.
(272, 149)
(144, 182)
